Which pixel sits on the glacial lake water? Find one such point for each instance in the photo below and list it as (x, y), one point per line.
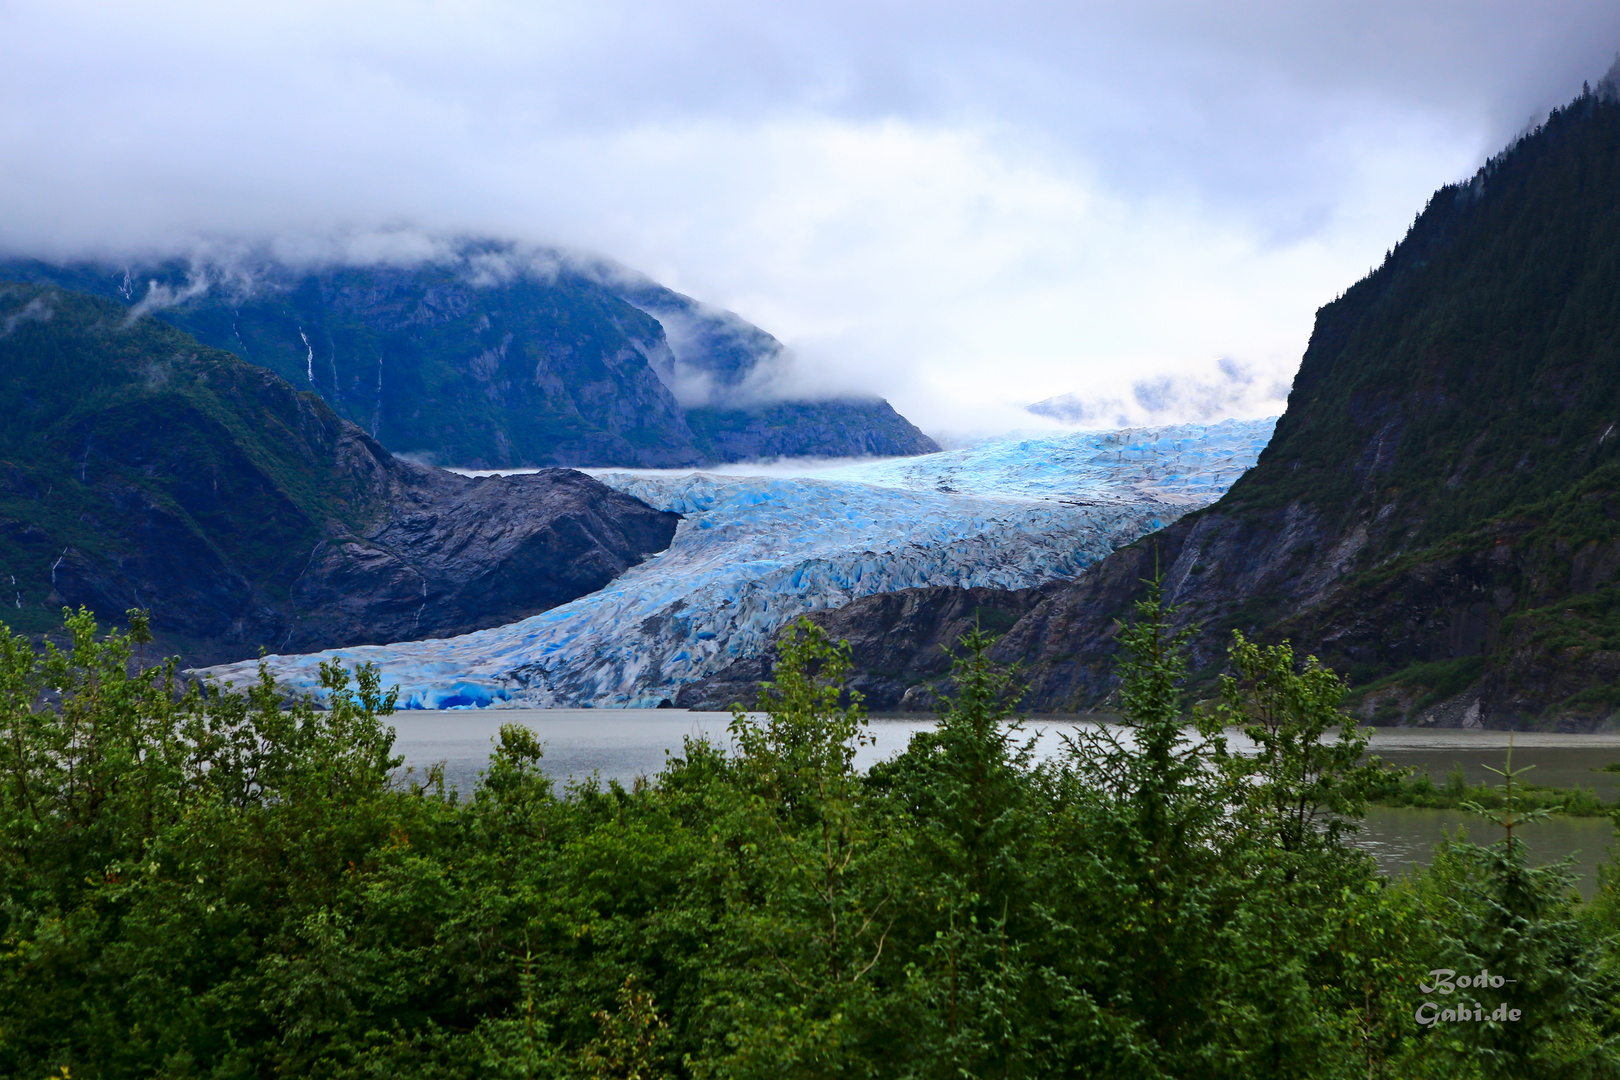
(622, 744)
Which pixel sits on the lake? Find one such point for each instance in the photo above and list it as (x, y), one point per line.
(621, 744)
(1402, 838)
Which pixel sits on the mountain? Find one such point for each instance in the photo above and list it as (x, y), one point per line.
(139, 468)
(489, 356)
(1438, 514)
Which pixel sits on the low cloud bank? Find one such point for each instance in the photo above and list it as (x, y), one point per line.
(714, 358)
(960, 208)
(1234, 389)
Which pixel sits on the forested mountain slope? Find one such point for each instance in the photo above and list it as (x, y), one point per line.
(141, 469)
(1438, 514)
(493, 357)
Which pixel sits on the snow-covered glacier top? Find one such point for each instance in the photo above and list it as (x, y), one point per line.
(755, 552)
(1188, 465)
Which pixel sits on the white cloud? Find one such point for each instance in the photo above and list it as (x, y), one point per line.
(965, 207)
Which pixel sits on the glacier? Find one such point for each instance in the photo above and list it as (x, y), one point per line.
(754, 552)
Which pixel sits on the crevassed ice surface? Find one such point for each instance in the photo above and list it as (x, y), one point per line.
(754, 552)
(1187, 465)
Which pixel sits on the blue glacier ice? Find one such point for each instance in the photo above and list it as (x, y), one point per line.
(754, 552)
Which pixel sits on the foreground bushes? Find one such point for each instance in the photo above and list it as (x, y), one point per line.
(213, 886)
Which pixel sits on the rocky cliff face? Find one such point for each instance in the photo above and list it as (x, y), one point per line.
(1438, 514)
(901, 640)
(141, 469)
(494, 357)
(802, 429)
(451, 555)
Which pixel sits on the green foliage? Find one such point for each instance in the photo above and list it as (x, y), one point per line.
(145, 830)
(811, 905)
(1439, 680)
(196, 882)
(994, 621)
(1304, 790)
(1582, 623)
(1420, 790)
(1520, 924)
(964, 800)
(627, 1047)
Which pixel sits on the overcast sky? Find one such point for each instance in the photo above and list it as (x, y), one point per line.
(965, 207)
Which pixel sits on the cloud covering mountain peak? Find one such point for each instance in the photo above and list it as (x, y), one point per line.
(960, 210)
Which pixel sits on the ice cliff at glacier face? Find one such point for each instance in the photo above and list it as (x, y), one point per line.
(755, 552)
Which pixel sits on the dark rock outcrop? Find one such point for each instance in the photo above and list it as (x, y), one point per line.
(839, 428)
(140, 469)
(895, 638)
(1438, 514)
(452, 555)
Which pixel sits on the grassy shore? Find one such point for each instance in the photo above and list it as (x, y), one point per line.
(1419, 790)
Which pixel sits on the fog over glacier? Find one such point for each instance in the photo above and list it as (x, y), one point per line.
(754, 552)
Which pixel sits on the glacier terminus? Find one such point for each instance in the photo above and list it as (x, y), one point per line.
(754, 552)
